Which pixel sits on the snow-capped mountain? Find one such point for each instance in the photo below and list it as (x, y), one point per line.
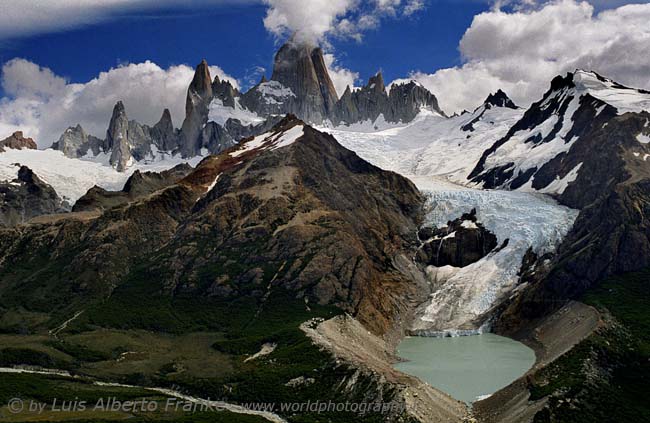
(585, 128)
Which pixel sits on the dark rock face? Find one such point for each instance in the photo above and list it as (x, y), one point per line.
(224, 91)
(17, 141)
(26, 197)
(138, 185)
(500, 99)
(463, 242)
(346, 109)
(401, 104)
(372, 99)
(163, 134)
(311, 217)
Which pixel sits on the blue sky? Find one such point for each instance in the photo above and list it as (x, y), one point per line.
(235, 39)
(76, 62)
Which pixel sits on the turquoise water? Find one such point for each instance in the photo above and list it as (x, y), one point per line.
(465, 367)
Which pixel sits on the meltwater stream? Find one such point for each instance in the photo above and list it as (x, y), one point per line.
(467, 367)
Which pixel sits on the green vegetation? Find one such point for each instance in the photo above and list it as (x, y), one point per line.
(46, 388)
(605, 377)
(80, 352)
(17, 356)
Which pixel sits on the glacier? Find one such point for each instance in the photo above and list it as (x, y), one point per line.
(462, 298)
(437, 154)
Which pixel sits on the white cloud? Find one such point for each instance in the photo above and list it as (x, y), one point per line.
(340, 76)
(520, 52)
(43, 104)
(315, 20)
(26, 17)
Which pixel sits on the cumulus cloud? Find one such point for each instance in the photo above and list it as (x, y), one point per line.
(26, 17)
(43, 104)
(341, 77)
(521, 51)
(315, 20)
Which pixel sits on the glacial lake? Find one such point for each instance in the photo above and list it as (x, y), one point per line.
(465, 367)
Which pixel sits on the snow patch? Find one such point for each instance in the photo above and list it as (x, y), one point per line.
(624, 99)
(271, 141)
(273, 92)
(220, 113)
(468, 224)
(643, 139)
(430, 145)
(72, 178)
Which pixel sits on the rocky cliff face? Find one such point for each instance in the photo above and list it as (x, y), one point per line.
(139, 185)
(126, 140)
(301, 68)
(199, 96)
(17, 141)
(27, 196)
(401, 104)
(117, 138)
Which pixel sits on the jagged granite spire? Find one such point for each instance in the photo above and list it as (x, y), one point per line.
(164, 134)
(223, 89)
(300, 67)
(117, 138)
(199, 96)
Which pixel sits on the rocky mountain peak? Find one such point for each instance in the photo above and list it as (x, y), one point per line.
(27, 196)
(500, 99)
(301, 67)
(117, 138)
(17, 141)
(376, 82)
(201, 84)
(166, 119)
(223, 90)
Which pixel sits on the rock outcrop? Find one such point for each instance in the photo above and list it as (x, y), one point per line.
(17, 141)
(464, 241)
(27, 196)
(75, 142)
(500, 99)
(139, 184)
(126, 140)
